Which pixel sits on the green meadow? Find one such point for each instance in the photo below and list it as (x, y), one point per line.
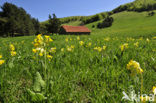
(77, 72)
(94, 68)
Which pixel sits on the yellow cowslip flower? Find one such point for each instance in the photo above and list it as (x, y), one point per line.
(48, 39)
(66, 39)
(12, 48)
(2, 62)
(130, 39)
(107, 39)
(81, 43)
(154, 90)
(154, 37)
(71, 39)
(36, 45)
(41, 54)
(13, 53)
(144, 99)
(134, 67)
(49, 57)
(136, 44)
(72, 46)
(78, 38)
(62, 49)
(34, 50)
(69, 49)
(147, 40)
(99, 49)
(53, 50)
(38, 41)
(89, 44)
(104, 47)
(124, 46)
(0, 56)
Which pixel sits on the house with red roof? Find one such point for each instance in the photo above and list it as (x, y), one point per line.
(75, 30)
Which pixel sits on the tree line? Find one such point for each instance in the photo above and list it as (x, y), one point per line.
(15, 21)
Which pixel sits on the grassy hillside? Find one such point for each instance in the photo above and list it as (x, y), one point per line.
(73, 23)
(128, 23)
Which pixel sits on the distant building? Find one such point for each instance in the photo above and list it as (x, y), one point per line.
(74, 30)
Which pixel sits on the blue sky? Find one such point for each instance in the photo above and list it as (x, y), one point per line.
(62, 8)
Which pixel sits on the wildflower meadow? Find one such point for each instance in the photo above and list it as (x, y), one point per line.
(77, 69)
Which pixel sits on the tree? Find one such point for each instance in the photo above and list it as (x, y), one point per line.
(54, 24)
(17, 21)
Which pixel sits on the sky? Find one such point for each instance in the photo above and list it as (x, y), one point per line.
(41, 9)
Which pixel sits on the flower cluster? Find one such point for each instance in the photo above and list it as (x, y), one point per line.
(99, 49)
(70, 48)
(124, 46)
(12, 50)
(52, 50)
(136, 44)
(81, 43)
(1, 61)
(40, 44)
(134, 67)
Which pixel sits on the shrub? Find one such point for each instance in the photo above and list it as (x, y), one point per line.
(107, 22)
(151, 13)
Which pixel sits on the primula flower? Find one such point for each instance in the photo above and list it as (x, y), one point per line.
(13, 53)
(81, 43)
(41, 54)
(154, 90)
(136, 44)
(124, 46)
(147, 40)
(104, 48)
(70, 48)
(134, 67)
(49, 57)
(53, 50)
(107, 39)
(99, 49)
(34, 50)
(38, 42)
(154, 37)
(12, 48)
(0, 56)
(89, 44)
(62, 49)
(2, 62)
(48, 39)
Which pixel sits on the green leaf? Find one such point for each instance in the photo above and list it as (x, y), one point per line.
(32, 95)
(11, 64)
(40, 97)
(39, 83)
(36, 97)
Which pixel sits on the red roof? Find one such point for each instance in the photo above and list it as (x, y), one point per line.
(75, 28)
